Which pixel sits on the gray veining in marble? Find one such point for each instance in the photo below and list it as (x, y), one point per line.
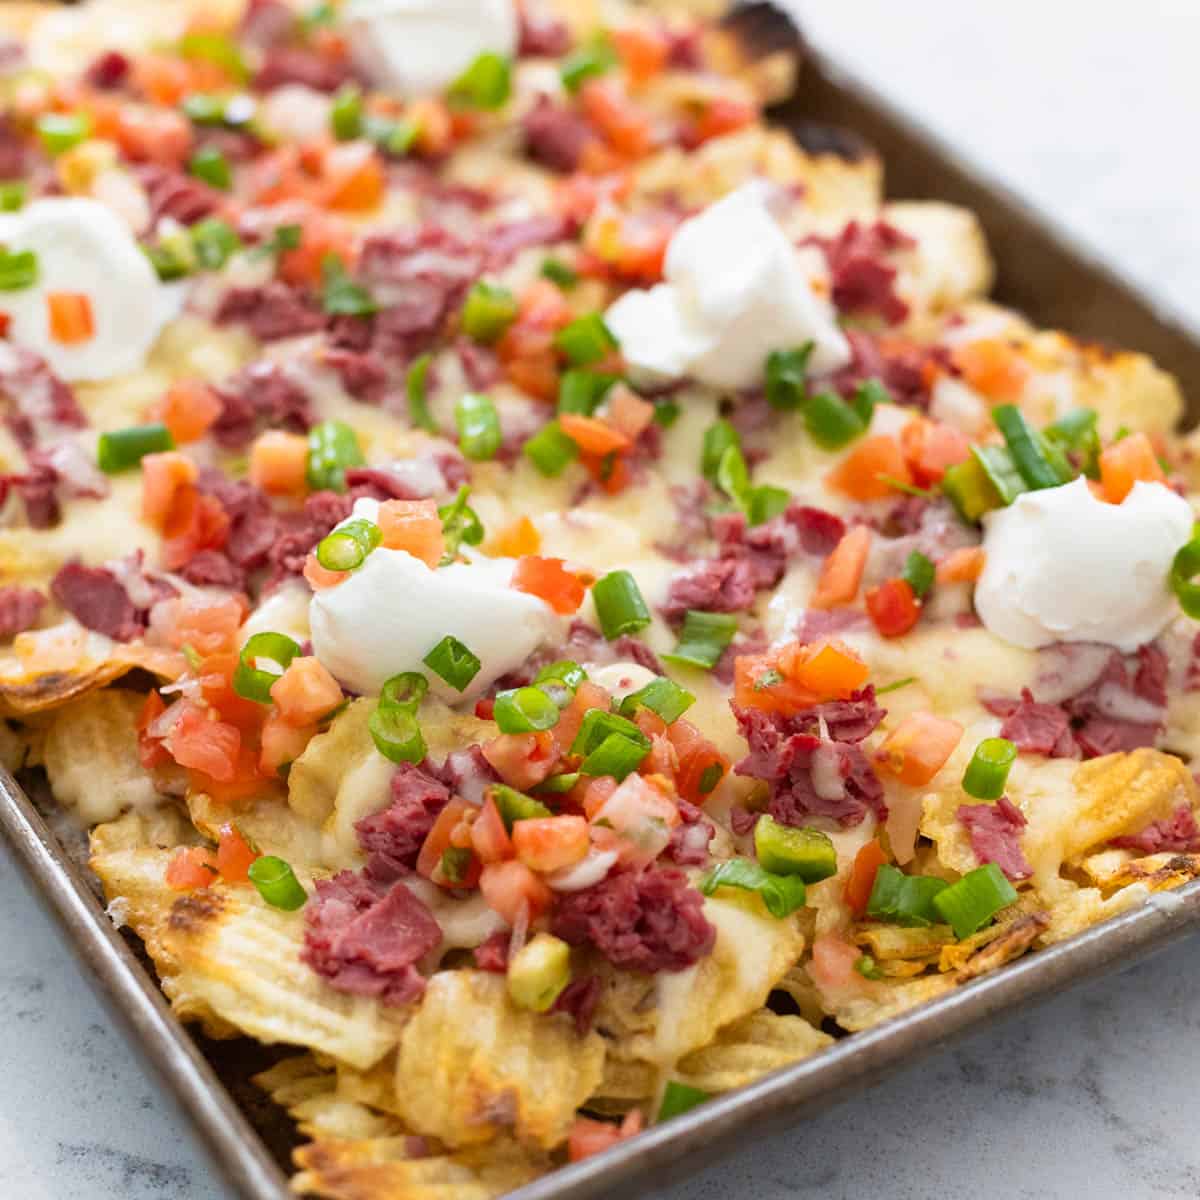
(1089, 108)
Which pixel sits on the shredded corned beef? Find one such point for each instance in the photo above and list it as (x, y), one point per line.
(649, 920)
(109, 71)
(492, 953)
(688, 846)
(743, 820)
(393, 836)
(1034, 728)
(263, 395)
(863, 280)
(584, 644)
(1178, 833)
(39, 403)
(899, 366)
(753, 641)
(294, 64)
(267, 23)
(995, 833)
(817, 624)
(480, 364)
(366, 939)
(540, 34)
(691, 525)
(38, 489)
(555, 136)
(95, 597)
(172, 193)
(807, 774)
(578, 1000)
(718, 585)
(505, 242)
(297, 533)
(270, 311)
(362, 374)
(214, 568)
(20, 608)
(14, 150)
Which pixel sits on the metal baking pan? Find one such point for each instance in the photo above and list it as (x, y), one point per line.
(1043, 273)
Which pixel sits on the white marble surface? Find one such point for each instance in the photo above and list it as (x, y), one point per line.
(1089, 108)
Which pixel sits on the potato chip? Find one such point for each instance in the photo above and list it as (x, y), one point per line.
(472, 1066)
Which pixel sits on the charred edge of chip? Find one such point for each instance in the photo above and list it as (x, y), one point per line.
(1013, 942)
(820, 138)
(192, 914)
(761, 29)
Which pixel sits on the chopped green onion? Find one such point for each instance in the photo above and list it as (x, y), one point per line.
(987, 772)
(404, 691)
(121, 449)
(586, 340)
(460, 523)
(703, 639)
(709, 778)
(597, 57)
(18, 271)
(171, 261)
(347, 547)
(346, 114)
(666, 413)
(282, 239)
(766, 502)
(210, 166)
(203, 108)
(866, 396)
(415, 389)
(1076, 433)
(733, 476)
(394, 138)
(12, 195)
(904, 899)
(340, 295)
(616, 756)
(970, 490)
(397, 735)
(1000, 469)
(456, 862)
(557, 271)
(478, 424)
(332, 447)
(786, 386)
(620, 607)
(515, 806)
(974, 900)
(525, 710)
(214, 242)
(782, 894)
(919, 572)
(486, 83)
(679, 1098)
(215, 48)
(550, 450)
(277, 883)
(558, 785)
(783, 850)
(455, 663)
(1027, 454)
(895, 687)
(250, 681)
(320, 16)
(662, 696)
(62, 131)
(867, 967)
(488, 311)
(831, 422)
(583, 391)
(1184, 569)
(719, 438)
(569, 674)
(599, 725)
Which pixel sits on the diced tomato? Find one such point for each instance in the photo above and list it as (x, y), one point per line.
(628, 413)
(522, 760)
(435, 126)
(917, 749)
(215, 675)
(719, 116)
(439, 838)
(71, 319)
(610, 112)
(151, 752)
(862, 876)
(279, 462)
(354, 177)
(930, 447)
(234, 855)
(321, 577)
(994, 367)
(306, 692)
(320, 236)
(543, 306)
(207, 627)
(156, 135)
(513, 890)
(832, 965)
(188, 410)
(759, 683)
(579, 195)
(198, 523)
(489, 838)
(413, 526)
(632, 246)
(592, 435)
(587, 696)
(588, 1137)
(797, 676)
(963, 565)
(591, 795)
(701, 765)
(871, 470)
(893, 607)
(165, 478)
(516, 540)
(548, 843)
(245, 782)
(208, 746)
(610, 471)
(282, 743)
(641, 816)
(191, 868)
(549, 580)
(530, 362)
(842, 571)
(162, 78)
(643, 51)
(1124, 463)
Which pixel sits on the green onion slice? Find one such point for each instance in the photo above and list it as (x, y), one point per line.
(718, 438)
(987, 772)
(404, 691)
(783, 850)
(786, 386)
(488, 311)
(60, 132)
(595, 58)
(666, 413)
(919, 572)
(583, 392)
(397, 734)
(569, 674)
(460, 524)
(586, 340)
(120, 449)
(250, 681)
(620, 606)
(662, 696)
(617, 756)
(969, 488)
(558, 785)
(1076, 433)
(478, 426)
(13, 193)
(332, 447)
(703, 639)
(904, 899)
(557, 271)
(485, 84)
(525, 710)
(679, 1098)
(18, 270)
(831, 422)
(277, 883)
(210, 166)
(416, 390)
(455, 663)
(341, 294)
(1184, 569)
(1001, 471)
(214, 242)
(515, 806)
(782, 894)
(599, 725)
(550, 450)
(1023, 444)
(346, 114)
(347, 547)
(974, 900)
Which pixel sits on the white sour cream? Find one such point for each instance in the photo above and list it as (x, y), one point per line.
(1063, 566)
(394, 609)
(735, 290)
(83, 247)
(416, 47)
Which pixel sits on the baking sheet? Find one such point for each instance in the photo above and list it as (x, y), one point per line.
(1057, 284)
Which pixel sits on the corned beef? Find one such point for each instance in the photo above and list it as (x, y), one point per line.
(20, 608)
(649, 920)
(863, 280)
(39, 403)
(505, 242)
(393, 836)
(688, 846)
(718, 585)
(214, 568)
(492, 953)
(172, 193)
(1034, 728)
(270, 311)
(541, 34)
(995, 833)
(1178, 833)
(578, 1000)
(295, 64)
(556, 136)
(109, 71)
(97, 600)
(480, 364)
(362, 374)
(900, 367)
(263, 395)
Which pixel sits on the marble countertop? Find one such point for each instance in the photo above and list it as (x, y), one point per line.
(1080, 108)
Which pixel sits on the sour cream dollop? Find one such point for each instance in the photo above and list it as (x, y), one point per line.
(416, 47)
(1063, 566)
(83, 247)
(394, 609)
(735, 290)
